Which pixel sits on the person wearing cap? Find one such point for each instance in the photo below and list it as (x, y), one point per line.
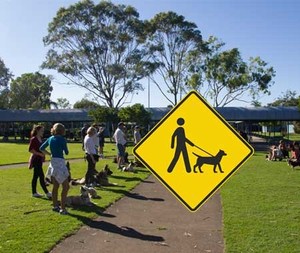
(120, 139)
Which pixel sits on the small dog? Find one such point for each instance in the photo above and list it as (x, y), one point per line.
(128, 168)
(98, 179)
(214, 160)
(92, 192)
(293, 163)
(102, 176)
(82, 200)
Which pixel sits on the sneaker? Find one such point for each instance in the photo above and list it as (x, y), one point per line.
(56, 209)
(37, 195)
(63, 212)
(49, 195)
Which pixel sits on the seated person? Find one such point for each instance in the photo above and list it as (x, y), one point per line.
(283, 148)
(294, 160)
(275, 153)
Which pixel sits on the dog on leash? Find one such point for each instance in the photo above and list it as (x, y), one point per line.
(82, 200)
(213, 160)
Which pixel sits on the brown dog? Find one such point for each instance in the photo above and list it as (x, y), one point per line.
(102, 176)
(98, 179)
(213, 160)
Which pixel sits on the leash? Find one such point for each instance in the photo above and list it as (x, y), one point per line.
(203, 150)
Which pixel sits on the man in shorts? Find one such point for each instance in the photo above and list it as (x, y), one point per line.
(120, 140)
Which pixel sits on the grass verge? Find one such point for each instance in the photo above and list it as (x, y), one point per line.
(261, 208)
(29, 224)
(18, 152)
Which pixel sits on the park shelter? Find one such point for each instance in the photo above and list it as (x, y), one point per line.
(19, 122)
(75, 118)
(248, 118)
(254, 114)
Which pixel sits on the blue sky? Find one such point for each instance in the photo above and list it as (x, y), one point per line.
(265, 28)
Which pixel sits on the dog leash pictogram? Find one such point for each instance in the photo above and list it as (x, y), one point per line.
(203, 150)
(181, 141)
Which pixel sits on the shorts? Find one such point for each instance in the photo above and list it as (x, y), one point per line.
(121, 150)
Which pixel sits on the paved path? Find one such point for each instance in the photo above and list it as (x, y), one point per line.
(150, 219)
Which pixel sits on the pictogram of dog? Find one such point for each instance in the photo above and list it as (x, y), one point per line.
(213, 160)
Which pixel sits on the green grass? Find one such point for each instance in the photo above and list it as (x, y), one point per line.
(261, 208)
(18, 152)
(29, 224)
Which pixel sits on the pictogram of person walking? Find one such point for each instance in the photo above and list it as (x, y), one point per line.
(181, 140)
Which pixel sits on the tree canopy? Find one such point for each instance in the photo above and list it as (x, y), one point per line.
(30, 91)
(289, 98)
(225, 77)
(98, 47)
(174, 43)
(85, 104)
(106, 49)
(5, 77)
(136, 114)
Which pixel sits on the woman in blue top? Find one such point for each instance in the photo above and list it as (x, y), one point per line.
(57, 169)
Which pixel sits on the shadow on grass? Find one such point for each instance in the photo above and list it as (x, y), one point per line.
(126, 179)
(91, 209)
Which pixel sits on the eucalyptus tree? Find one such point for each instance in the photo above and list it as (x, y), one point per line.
(99, 47)
(287, 98)
(5, 74)
(225, 77)
(5, 77)
(174, 44)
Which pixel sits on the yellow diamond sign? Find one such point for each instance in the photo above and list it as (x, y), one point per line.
(193, 151)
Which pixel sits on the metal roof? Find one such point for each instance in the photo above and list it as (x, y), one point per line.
(157, 113)
(245, 113)
(53, 115)
(260, 113)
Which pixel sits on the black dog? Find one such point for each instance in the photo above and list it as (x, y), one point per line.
(213, 160)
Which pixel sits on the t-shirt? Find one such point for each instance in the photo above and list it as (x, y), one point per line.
(57, 144)
(119, 137)
(35, 145)
(89, 145)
